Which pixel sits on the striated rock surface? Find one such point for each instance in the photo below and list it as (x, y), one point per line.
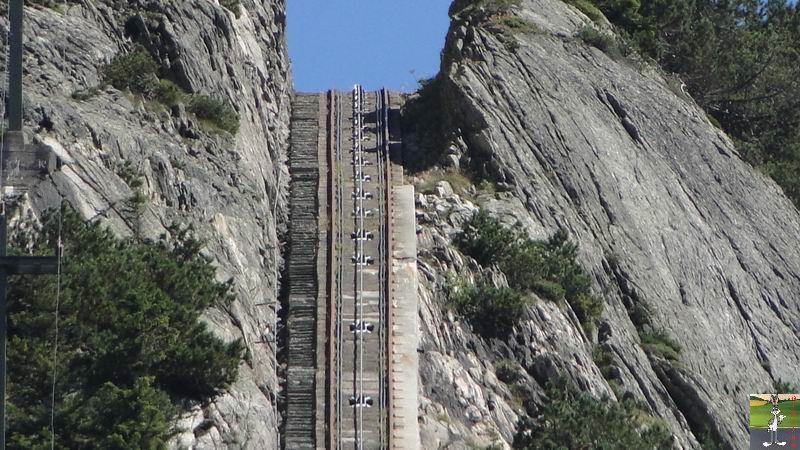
(231, 188)
(665, 212)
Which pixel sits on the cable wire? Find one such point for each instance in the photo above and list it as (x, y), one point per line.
(60, 247)
(6, 86)
(60, 251)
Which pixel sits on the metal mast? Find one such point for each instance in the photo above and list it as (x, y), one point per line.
(26, 159)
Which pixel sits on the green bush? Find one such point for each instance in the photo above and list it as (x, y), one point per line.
(640, 315)
(603, 359)
(131, 175)
(605, 42)
(575, 420)
(508, 27)
(487, 7)
(131, 346)
(547, 268)
(507, 370)
(487, 240)
(549, 290)
(588, 8)
(660, 343)
(491, 311)
(169, 94)
(215, 112)
(134, 71)
(517, 24)
(430, 115)
(784, 387)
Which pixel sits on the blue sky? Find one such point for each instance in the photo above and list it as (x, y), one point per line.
(378, 43)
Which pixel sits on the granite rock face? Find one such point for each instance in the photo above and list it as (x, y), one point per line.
(232, 189)
(665, 212)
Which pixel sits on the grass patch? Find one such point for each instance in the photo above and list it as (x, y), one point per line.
(177, 163)
(508, 27)
(497, 15)
(444, 418)
(491, 311)
(487, 7)
(507, 370)
(517, 24)
(458, 180)
(588, 8)
(655, 341)
(605, 42)
(660, 343)
(214, 112)
(547, 268)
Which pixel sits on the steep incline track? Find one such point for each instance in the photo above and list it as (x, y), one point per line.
(340, 272)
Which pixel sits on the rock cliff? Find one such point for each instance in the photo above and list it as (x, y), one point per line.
(232, 189)
(666, 214)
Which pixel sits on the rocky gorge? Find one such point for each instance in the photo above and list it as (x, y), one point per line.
(543, 129)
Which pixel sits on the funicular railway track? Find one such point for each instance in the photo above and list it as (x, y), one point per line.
(348, 346)
(360, 356)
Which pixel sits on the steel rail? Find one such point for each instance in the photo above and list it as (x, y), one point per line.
(382, 254)
(339, 277)
(360, 269)
(388, 282)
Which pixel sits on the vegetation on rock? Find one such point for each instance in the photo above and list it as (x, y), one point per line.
(739, 62)
(606, 42)
(491, 311)
(485, 7)
(138, 72)
(575, 420)
(655, 341)
(588, 8)
(547, 268)
(216, 112)
(432, 115)
(659, 342)
(134, 71)
(131, 348)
